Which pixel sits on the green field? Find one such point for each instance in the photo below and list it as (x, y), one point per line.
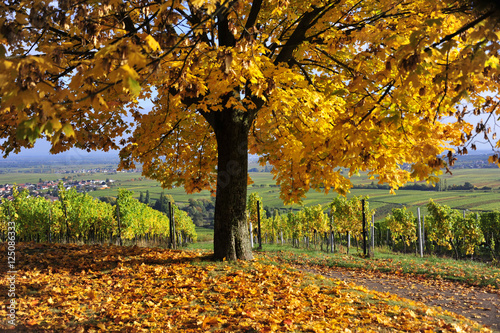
(380, 199)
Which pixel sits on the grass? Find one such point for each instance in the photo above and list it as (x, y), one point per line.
(205, 240)
(204, 234)
(468, 272)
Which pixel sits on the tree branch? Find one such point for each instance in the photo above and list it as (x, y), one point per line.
(306, 75)
(254, 13)
(226, 37)
(386, 92)
(193, 20)
(338, 62)
(319, 65)
(445, 86)
(325, 10)
(164, 137)
(461, 30)
(297, 37)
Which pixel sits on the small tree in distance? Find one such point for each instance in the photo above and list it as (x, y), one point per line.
(309, 86)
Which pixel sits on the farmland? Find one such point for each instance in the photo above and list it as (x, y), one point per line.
(380, 199)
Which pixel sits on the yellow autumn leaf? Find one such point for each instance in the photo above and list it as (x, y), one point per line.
(152, 43)
(68, 130)
(492, 61)
(130, 72)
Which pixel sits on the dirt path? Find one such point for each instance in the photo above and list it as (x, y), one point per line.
(479, 304)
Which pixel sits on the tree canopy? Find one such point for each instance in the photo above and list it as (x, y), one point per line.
(312, 87)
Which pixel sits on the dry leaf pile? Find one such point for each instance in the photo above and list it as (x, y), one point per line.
(74, 288)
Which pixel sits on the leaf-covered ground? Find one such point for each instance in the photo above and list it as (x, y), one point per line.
(70, 288)
(464, 287)
(477, 303)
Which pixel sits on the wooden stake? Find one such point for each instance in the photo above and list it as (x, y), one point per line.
(364, 227)
(119, 224)
(259, 234)
(251, 234)
(420, 240)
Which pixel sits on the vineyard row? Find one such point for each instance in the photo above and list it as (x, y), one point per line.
(442, 231)
(80, 217)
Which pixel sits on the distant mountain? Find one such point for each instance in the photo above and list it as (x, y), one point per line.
(40, 156)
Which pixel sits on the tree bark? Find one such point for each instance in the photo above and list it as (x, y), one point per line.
(231, 236)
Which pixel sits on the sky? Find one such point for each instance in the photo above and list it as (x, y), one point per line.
(42, 149)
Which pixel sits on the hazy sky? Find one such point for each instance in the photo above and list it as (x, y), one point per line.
(42, 149)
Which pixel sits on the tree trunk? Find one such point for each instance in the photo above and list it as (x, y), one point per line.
(455, 249)
(231, 236)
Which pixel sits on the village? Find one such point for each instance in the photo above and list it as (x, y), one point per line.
(49, 189)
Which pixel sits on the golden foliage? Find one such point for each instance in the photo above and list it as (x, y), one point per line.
(358, 85)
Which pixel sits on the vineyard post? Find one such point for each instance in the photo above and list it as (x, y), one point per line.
(169, 213)
(332, 246)
(364, 226)
(423, 233)
(420, 241)
(477, 221)
(259, 235)
(50, 225)
(170, 224)
(327, 233)
(10, 216)
(62, 198)
(305, 235)
(464, 219)
(174, 232)
(119, 223)
(348, 241)
(373, 233)
(251, 234)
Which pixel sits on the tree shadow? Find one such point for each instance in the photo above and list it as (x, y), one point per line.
(76, 260)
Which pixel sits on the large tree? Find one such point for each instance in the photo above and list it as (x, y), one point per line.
(311, 86)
